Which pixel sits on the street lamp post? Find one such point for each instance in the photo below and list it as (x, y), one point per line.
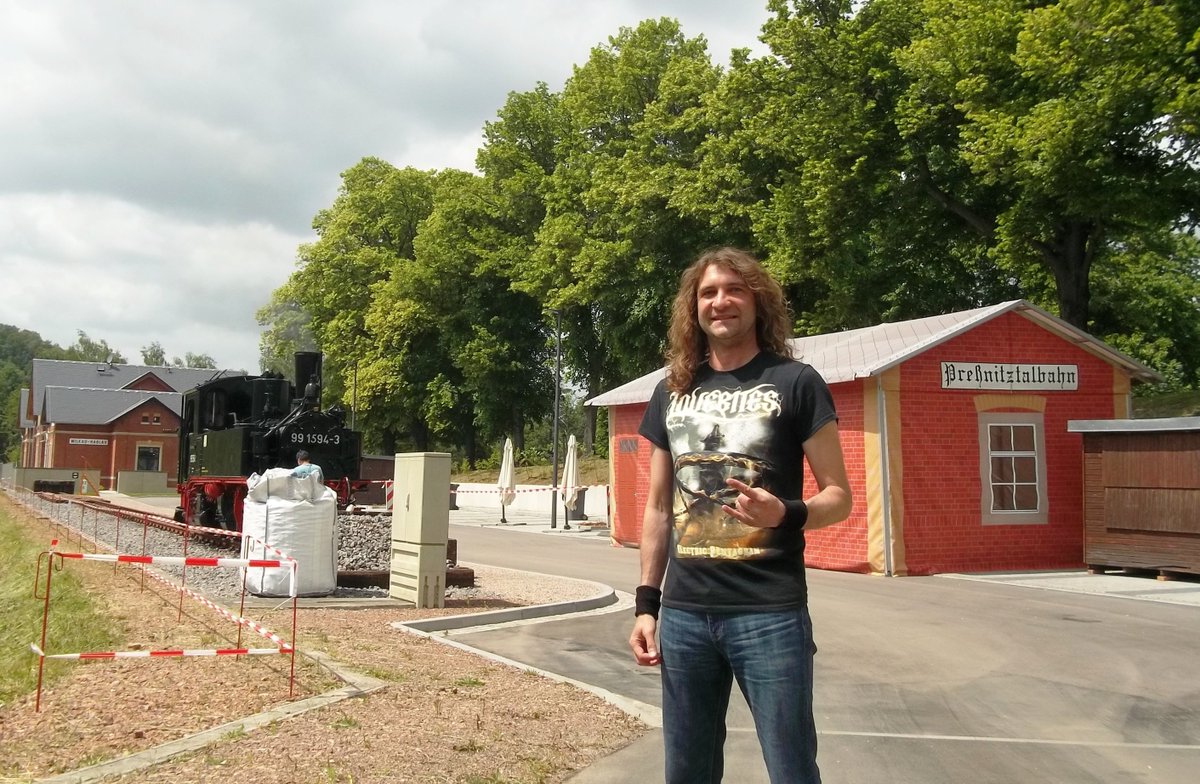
(554, 425)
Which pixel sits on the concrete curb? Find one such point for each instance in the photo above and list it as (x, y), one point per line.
(357, 685)
(604, 597)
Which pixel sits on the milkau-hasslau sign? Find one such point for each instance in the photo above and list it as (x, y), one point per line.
(1003, 375)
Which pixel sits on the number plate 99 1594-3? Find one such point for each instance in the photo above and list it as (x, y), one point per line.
(316, 438)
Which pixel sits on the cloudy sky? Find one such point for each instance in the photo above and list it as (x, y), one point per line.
(160, 162)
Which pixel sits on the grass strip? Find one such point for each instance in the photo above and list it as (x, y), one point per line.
(76, 623)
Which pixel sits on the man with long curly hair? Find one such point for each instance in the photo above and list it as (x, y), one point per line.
(731, 426)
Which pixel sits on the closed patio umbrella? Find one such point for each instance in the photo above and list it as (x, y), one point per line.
(570, 481)
(507, 483)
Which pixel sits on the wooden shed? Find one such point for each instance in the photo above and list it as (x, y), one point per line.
(1141, 493)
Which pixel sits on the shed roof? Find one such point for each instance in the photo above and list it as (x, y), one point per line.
(83, 406)
(102, 375)
(862, 353)
(1159, 425)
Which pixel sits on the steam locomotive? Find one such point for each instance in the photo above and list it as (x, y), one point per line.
(238, 425)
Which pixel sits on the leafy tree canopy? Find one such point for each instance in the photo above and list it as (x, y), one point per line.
(85, 349)
(888, 159)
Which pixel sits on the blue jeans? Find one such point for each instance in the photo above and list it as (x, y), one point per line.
(771, 656)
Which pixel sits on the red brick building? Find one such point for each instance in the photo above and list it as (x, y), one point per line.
(955, 435)
(106, 417)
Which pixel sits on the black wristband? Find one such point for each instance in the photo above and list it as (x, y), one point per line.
(647, 600)
(795, 513)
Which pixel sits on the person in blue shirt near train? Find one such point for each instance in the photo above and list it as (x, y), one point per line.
(304, 467)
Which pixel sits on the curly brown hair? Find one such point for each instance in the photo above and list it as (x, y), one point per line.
(687, 346)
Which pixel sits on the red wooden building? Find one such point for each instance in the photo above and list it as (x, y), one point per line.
(954, 430)
(106, 417)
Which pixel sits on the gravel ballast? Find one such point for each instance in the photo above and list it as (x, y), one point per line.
(363, 544)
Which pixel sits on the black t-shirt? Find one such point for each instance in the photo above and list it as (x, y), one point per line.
(749, 424)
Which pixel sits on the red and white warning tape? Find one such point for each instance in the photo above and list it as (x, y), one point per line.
(523, 490)
(238, 619)
(160, 654)
(269, 548)
(175, 560)
(199, 529)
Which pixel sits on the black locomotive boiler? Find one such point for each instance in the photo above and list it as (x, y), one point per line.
(235, 426)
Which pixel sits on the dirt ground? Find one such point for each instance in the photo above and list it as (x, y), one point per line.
(444, 715)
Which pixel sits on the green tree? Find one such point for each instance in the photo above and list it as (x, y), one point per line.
(154, 354)
(1071, 117)
(18, 349)
(12, 379)
(520, 155)
(1024, 138)
(488, 329)
(287, 331)
(361, 238)
(400, 363)
(1144, 302)
(804, 159)
(614, 240)
(21, 346)
(84, 349)
(199, 361)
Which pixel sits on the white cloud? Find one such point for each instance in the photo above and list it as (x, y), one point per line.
(131, 276)
(162, 161)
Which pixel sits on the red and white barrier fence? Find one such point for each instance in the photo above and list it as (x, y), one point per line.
(162, 654)
(174, 560)
(284, 647)
(284, 561)
(538, 489)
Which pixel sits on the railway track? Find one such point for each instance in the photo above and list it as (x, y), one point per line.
(150, 519)
(346, 577)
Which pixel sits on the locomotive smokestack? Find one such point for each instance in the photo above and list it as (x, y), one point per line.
(308, 377)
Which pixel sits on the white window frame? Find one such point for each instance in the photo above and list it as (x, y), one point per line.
(988, 514)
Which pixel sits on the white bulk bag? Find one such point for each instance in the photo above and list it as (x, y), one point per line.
(297, 515)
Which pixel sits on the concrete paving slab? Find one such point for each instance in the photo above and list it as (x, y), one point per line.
(1122, 586)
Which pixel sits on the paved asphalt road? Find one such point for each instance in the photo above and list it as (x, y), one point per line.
(919, 680)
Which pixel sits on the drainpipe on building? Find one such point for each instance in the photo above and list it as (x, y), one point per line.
(884, 476)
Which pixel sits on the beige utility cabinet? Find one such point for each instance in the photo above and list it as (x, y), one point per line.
(420, 528)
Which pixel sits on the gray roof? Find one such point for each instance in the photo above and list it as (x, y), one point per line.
(100, 375)
(637, 391)
(83, 406)
(862, 353)
(1160, 425)
(23, 420)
